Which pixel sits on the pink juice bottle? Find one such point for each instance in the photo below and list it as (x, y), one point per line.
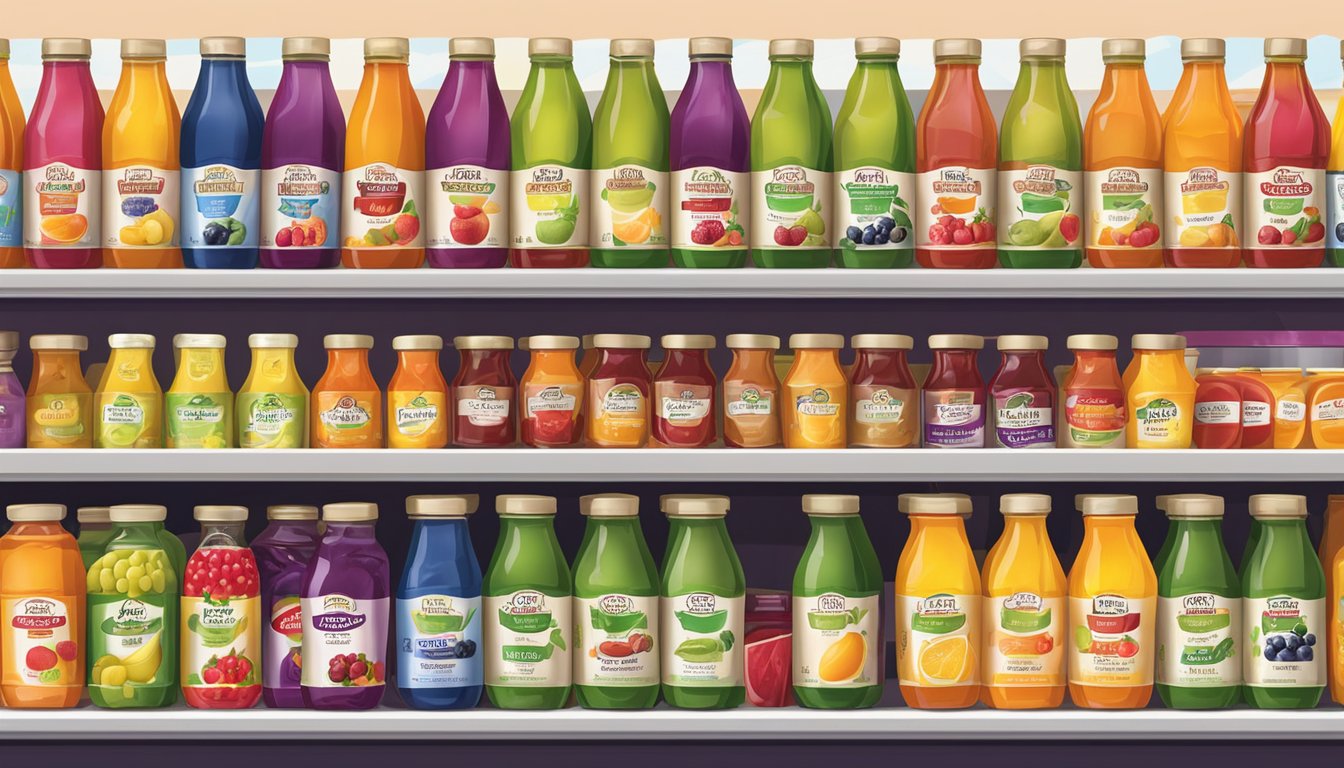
(62, 162)
(283, 552)
(1022, 394)
(467, 154)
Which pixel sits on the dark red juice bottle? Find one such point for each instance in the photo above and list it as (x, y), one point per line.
(883, 391)
(1023, 394)
(954, 393)
(483, 413)
(683, 394)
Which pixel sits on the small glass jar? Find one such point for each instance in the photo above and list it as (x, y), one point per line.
(619, 389)
(483, 414)
(751, 400)
(885, 414)
(1023, 394)
(954, 393)
(684, 393)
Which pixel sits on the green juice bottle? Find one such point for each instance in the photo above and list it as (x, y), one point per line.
(837, 592)
(527, 594)
(1284, 665)
(874, 162)
(703, 607)
(615, 608)
(629, 196)
(1198, 608)
(1041, 164)
(791, 181)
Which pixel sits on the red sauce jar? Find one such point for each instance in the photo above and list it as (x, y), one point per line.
(483, 391)
(883, 390)
(684, 397)
(954, 393)
(619, 388)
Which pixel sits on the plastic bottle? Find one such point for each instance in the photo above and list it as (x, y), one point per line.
(1092, 395)
(751, 392)
(95, 530)
(815, 399)
(884, 392)
(283, 551)
(59, 402)
(13, 410)
(417, 395)
(1160, 393)
(221, 615)
(1217, 413)
(483, 393)
(1334, 234)
(685, 390)
(11, 168)
(198, 406)
(129, 401)
(550, 394)
(954, 393)
(620, 387)
(347, 404)
(272, 405)
(1023, 394)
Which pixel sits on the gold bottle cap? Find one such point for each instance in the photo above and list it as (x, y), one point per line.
(631, 48)
(1285, 48)
(830, 504)
(135, 48)
(525, 505)
(137, 513)
(291, 512)
(483, 342)
(1042, 48)
(688, 341)
(93, 515)
(347, 341)
(791, 49)
(956, 48)
(387, 49)
(956, 341)
(1193, 48)
(471, 48)
(1092, 341)
(881, 341)
(350, 512)
(609, 505)
(552, 342)
(273, 341)
(1123, 49)
(693, 505)
(934, 504)
(751, 341)
(1106, 504)
(550, 46)
(66, 48)
(223, 47)
(711, 47)
(35, 513)
(1190, 505)
(459, 505)
(1024, 504)
(401, 343)
(1022, 342)
(1157, 341)
(621, 341)
(816, 341)
(1278, 505)
(305, 49)
(58, 341)
(216, 513)
(876, 47)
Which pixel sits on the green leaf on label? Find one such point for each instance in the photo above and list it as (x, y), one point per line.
(701, 650)
(558, 638)
(901, 218)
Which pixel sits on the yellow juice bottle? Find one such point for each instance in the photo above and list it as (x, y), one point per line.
(417, 395)
(1336, 646)
(1290, 408)
(198, 407)
(1112, 608)
(938, 603)
(1160, 393)
(1324, 394)
(59, 401)
(1331, 548)
(128, 406)
(272, 406)
(816, 393)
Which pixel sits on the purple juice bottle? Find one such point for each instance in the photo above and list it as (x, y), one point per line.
(467, 157)
(13, 417)
(302, 157)
(283, 552)
(710, 164)
(345, 601)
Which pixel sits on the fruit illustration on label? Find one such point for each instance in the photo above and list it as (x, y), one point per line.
(1205, 219)
(1125, 217)
(635, 219)
(308, 232)
(843, 660)
(469, 224)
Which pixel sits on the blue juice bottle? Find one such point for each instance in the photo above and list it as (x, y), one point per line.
(439, 664)
(221, 161)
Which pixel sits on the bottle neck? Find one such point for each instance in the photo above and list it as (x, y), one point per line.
(417, 360)
(790, 76)
(1115, 524)
(1285, 77)
(268, 357)
(519, 532)
(1204, 79)
(753, 359)
(955, 365)
(830, 357)
(956, 76)
(711, 73)
(304, 74)
(348, 362)
(878, 76)
(1092, 361)
(1123, 78)
(221, 534)
(619, 358)
(129, 358)
(355, 533)
(1019, 363)
(471, 72)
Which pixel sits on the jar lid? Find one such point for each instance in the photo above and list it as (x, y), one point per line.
(350, 512)
(35, 513)
(1190, 505)
(137, 513)
(830, 504)
(956, 341)
(1285, 48)
(223, 47)
(471, 47)
(66, 48)
(621, 341)
(525, 505)
(1020, 342)
(688, 341)
(551, 342)
(211, 513)
(609, 505)
(586, 341)
(459, 505)
(58, 341)
(1092, 341)
(816, 341)
(405, 343)
(347, 341)
(93, 515)
(1157, 341)
(9, 340)
(716, 47)
(305, 48)
(631, 48)
(876, 47)
(881, 341)
(1042, 48)
(693, 505)
(751, 341)
(138, 48)
(387, 49)
(550, 46)
(791, 49)
(199, 341)
(956, 48)
(4, 48)
(130, 341)
(1106, 504)
(1123, 49)
(483, 342)
(1278, 506)
(1024, 504)
(291, 512)
(934, 504)
(272, 341)
(1203, 48)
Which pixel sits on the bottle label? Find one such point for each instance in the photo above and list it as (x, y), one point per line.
(1095, 417)
(467, 207)
(221, 641)
(1283, 207)
(952, 419)
(58, 419)
(1334, 236)
(1126, 208)
(707, 208)
(872, 198)
(614, 637)
(1218, 412)
(748, 399)
(1039, 210)
(220, 207)
(548, 208)
(381, 207)
(344, 641)
(11, 208)
(302, 207)
(1291, 410)
(1025, 640)
(197, 419)
(1160, 422)
(1255, 413)
(1197, 639)
(61, 206)
(1204, 203)
(936, 638)
(484, 405)
(345, 418)
(683, 405)
(417, 414)
(621, 407)
(282, 640)
(39, 649)
(527, 639)
(1020, 421)
(271, 420)
(130, 631)
(836, 641)
(1328, 410)
(789, 207)
(702, 640)
(883, 416)
(125, 420)
(140, 206)
(814, 401)
(961, 214)
(437, 638)
(1288, 627)
(561, 399)
(628, 203)
(1112, 643)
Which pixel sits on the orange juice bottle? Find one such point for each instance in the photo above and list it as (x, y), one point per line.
(1025, 610)
(42, 588)
(1331, 549)
(816, 393)
(551, 405)
(1290, 407)
(384, 176)
(417, 396)
(59, 399)
(1159, 393)
(938, 603)
(1112, 608)
(11, 165)
(347, 404)
(1325, 409)
(751, 401)
(141, 174)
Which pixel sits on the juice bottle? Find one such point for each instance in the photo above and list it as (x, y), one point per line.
(1026, 610)
(1040, 164)
(221, 615)
(619, 389)
(616, 608)
(1112, 604)
(710, 158)
(1093, 395)
(198, 407)
(954, 393)
(384, 181)
(769, 649)
(1286, 150)
(703, 606)
(282, 552)
(885, 395)
(751, 392)
(483, 393)
(685, 390)
(221, 161)
(1160, 392)
(630, 154)
(527, 611)
(1334, 236)
(59, 402)
(63, 161)
(1284, 606)
(1202, 163)
(551, 394)
(11, 167)
(13, 413)
(1123, 161)
(95, 530)
(1336, 651)
(128, 406)
(1198, 609)
(1023, 393)
(417, 395)
(957, 162)
(837, 596)
(1217, 413)
(791, 162)
(1332, 543)
(347, 409)
(551, 149)
(874, 161)
(467, 152)
(816, 393)
(937, 605)
(133, 605)
(302, 156)
(42, 594)
(272, 406)
(1324, 396)
(439, 608)
(141, 178)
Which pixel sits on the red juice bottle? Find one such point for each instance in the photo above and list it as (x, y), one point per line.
(954, 392)
(1217, 412)
(1285, 153)
(221, 599)
(957, 164)
(62, 162)
(616, 405)
(683, 390)
(482, 394)
(883, 391)
(1023, 394)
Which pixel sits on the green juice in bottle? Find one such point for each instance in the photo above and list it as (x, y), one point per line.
(526, 601)
(1040, 165)
(703, 607)
(629, 195)
(837, 592)
(874, 162)
(791, 180)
